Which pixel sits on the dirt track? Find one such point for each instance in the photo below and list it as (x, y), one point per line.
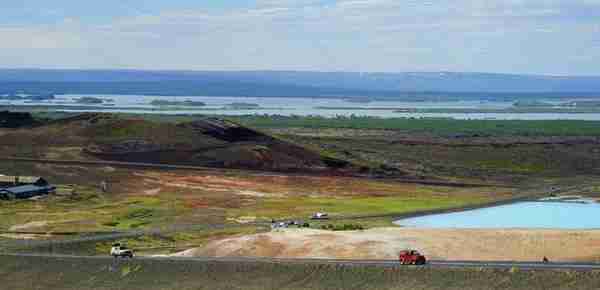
(384, 243)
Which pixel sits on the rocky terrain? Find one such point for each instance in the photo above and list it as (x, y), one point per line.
(207, 142)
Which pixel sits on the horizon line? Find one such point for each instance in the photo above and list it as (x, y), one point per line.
(291, 71)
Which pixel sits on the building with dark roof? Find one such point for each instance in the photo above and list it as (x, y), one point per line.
(6, 181)
(25, 191)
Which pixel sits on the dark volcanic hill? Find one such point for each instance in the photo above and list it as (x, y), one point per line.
(16, 119)
(208, 142)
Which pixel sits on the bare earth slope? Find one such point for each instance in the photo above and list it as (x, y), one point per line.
(385, 243)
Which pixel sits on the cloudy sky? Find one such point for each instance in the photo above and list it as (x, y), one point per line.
(560, 37)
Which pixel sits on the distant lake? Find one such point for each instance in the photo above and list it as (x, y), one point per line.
(544, 215)
(295, 106)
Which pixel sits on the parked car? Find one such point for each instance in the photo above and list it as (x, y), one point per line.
(279, 225)
(411, 257)
(320, 216)
(119, 250)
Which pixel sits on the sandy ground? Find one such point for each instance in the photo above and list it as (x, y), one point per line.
(24, 236)
(28, 226)
(203, 182)
(385, 243)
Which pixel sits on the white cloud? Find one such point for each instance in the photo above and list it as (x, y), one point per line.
(38, 38)
(367, 35)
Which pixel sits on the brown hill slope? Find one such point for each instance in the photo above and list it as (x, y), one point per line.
(208, 142)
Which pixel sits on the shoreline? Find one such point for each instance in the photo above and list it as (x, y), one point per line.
(422, 213)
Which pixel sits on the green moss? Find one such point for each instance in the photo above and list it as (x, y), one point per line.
(89, 210)
(305, 206)
(511, 165)
(432, 126)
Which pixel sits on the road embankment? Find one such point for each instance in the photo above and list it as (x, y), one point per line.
(32, 272)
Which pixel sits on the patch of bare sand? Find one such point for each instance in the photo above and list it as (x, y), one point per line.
(152, 192)
(197, 182)
(243, 219)
(28, 226)
(108, 169)
(25, 236)
(258, 194)
(385, 243)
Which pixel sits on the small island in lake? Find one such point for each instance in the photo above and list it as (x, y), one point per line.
(358, 100)
(11, 97)
(28, 97)
(89, 100)
(537, 104)
(581, 104)
(187, 103)
(242, 106)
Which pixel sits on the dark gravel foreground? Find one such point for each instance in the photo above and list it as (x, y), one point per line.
(106, 273)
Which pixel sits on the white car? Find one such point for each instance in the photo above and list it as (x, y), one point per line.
(320, 216)
(118, 250)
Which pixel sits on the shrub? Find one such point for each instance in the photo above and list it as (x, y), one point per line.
(344, 227)
(110, 224)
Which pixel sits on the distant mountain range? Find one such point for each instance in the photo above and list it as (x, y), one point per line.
(409, 85)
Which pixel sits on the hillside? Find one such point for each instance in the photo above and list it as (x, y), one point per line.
(103, 273)
(207, 142)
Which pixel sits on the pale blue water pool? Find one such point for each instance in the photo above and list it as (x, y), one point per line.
(546, 215)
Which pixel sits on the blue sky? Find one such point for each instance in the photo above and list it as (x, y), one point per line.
(559, 37)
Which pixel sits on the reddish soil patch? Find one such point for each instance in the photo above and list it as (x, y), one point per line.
(197, 203)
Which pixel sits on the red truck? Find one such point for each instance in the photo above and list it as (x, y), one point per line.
(411, 257)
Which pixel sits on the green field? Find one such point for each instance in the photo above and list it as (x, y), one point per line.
(88, 211)
(304, 207)
(436, 126)
(432, 126)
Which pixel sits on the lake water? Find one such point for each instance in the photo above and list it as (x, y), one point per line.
(544, 215)
(298, 106)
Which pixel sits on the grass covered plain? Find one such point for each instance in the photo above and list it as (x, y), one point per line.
(87, 211)
(349, 206)
(436, 126)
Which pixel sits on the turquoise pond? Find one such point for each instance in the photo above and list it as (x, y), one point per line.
(544, 215)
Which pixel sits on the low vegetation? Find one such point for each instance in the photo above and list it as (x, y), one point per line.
(344, 227)
(435, 126)
(291, 207)
(510, 157)
(70, 273)
(88, 211)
